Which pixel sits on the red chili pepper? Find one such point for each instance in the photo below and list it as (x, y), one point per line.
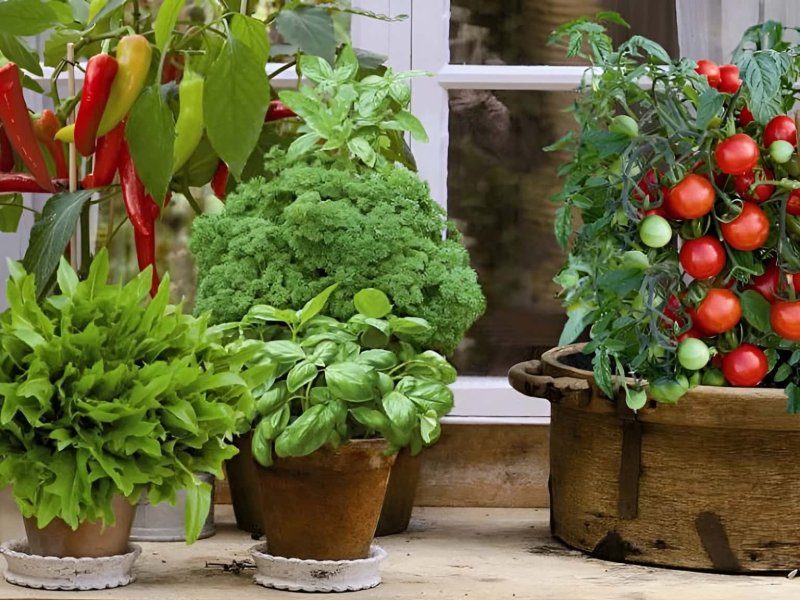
(173, 67)
(100, 72)
(24, 183)
(219, 182)
(6, 153)
(106, 158)
(18, 126)
(278, 110)
(46, 127)
(142, 211)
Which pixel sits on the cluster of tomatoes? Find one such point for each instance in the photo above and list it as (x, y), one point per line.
(740, 169)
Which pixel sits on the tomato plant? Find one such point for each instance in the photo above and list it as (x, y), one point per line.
(719, 311)
(749, 230)
(785, 319)
(768, 283)
(690, 198)
(703, 257)
(745, 366)
(737, 154)
(781, 128)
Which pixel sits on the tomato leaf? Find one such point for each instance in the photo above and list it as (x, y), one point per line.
(755, 310)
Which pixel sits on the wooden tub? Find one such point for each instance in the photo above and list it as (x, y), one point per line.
(711, 483)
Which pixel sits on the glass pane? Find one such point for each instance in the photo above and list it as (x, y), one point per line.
(499, 185)
(515, 32)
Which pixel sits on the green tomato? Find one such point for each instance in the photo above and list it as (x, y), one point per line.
(625, 125)
(781, 151)
(693, 354)
(792, 167)
(669, 390)
(655, 231)
(635, 399)
(714, 377)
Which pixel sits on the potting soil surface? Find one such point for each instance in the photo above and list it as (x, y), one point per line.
(448, 553)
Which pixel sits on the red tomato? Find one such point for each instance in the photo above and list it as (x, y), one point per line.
(785, 319)
(719, 311)
(702, 258)
(737, 154)
(760, 192)
(793, 204)
(780, 128)
(796, 281)
(691, 333)
(745, 366)
(749, 230)
(745, 117)
(671, 309)
(711, 71)
(692, 197)
(729, 79)
(767, 283)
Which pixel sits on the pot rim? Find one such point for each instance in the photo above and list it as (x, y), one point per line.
(702, 406)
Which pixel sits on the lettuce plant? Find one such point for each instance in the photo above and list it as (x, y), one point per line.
(103, 393)
(325, 381)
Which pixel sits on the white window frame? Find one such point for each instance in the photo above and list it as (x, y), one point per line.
(478, 399)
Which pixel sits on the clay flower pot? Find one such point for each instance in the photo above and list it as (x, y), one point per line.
(400, 493)
(91, 539)
(325, 506)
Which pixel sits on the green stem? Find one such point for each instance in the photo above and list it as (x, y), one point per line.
(136, 15)
(282, 68)
(22, 206)
(116, 229)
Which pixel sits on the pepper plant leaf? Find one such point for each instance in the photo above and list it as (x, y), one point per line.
(165, 21)
(309, 28)
(10, 213)
(16, 50)
(150, 132)
(26, 17)
(50, 235)
(235, 102)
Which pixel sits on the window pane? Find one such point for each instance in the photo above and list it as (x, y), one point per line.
(515, 32)
(499, 187)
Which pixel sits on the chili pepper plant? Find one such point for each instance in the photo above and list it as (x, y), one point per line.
(172, 98)
(685, 264)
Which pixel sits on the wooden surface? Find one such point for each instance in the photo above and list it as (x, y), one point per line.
(448, 554)
(708, 497)
(478, 465)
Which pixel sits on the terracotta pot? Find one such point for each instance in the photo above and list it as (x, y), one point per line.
(242, 473)
(400, 493)
(325, 506)
(91, 539)
(707, 483)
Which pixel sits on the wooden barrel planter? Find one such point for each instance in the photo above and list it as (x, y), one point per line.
(710, 483)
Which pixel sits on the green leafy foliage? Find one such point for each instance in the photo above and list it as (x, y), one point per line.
(328, 382)
(309, 28)
(104, 394)
(313, 223)
(353, 117)
(151, 125)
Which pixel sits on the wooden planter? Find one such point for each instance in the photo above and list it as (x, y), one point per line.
(710, 483)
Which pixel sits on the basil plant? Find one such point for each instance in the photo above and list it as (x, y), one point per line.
(325, 381)
(103, 393)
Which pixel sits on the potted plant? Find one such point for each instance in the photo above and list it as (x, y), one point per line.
(336, 208)
(104, 396)
(684, 269)
(337, 400)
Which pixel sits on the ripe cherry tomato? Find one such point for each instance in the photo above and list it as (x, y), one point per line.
(745, 117)
(655, 231)
(671, 310)
(785, 319)
(703, 257)
(729, 79)
(745, 366)
(691, 333)
(767, 283)
(760, 192)
(780, 128)
(749, 230)
(710, 69)
(793, 204)
(737, 154)
(719, 311)
(692, 197)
